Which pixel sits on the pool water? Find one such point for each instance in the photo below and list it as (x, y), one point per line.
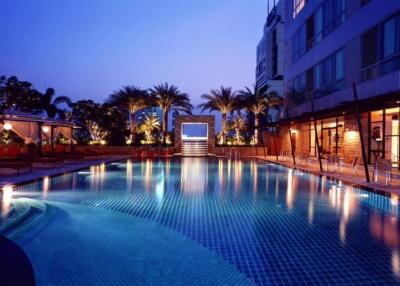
(276, 226)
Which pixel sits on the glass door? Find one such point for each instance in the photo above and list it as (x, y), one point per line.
(392, 136)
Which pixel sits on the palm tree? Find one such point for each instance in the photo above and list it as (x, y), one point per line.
(50, 104)
(258, 103)
(148, 126)
(168, 97)
(237, 124)
(223, 100)
(131, 99)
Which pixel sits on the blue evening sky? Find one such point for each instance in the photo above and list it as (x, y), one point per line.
(89, 48)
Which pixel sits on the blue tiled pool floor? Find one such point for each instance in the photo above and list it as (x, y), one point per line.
(274, 225)
(92, 246)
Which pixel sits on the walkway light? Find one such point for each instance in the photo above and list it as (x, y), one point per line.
(7, 126)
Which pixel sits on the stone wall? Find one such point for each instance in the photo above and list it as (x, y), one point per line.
(209, 119)
(351, 138)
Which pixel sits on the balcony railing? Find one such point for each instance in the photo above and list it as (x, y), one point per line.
(381, 67)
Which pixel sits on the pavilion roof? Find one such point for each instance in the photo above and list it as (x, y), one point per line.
(15, 115)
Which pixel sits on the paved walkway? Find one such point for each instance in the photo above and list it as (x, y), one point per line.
(347, 174)
(11, 178)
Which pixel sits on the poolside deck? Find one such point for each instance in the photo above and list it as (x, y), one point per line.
(11, 178)
(347, 174)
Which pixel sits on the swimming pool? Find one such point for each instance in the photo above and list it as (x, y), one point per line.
(265, 223)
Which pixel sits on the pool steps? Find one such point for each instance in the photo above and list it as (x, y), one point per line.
(36, 214)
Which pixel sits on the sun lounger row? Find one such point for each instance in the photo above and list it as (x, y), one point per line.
(27, 161)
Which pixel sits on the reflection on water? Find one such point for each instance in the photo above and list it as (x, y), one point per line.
(345, 202)
(291, 189)
(216, 194)
(194, 175)
(6, 198)
(45, 187)
(254, 175)
(97, 175)
(148, 174)
(237, 166)
(221, 174)
(396, 263)
(311, 203)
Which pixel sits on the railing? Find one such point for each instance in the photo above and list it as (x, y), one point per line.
(381, 67)
(322, 91)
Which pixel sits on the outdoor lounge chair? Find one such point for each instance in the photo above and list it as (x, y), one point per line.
(67, 156)
(354, 165)
(72, 156)
(44, 160)
(15, 163)
(90, 153)
(304, 157)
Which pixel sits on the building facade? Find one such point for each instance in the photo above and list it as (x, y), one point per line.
(270, 51)
(331, 46)
(151, 111)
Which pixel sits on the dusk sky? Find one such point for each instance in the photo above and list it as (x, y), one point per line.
(89, 48)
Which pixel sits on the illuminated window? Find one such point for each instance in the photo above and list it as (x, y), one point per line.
(298, 5)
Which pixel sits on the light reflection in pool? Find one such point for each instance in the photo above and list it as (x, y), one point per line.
(246, 206)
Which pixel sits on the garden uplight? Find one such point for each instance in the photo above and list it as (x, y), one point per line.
(7, 126)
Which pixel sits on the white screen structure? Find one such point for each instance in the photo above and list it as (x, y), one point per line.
(194, 131)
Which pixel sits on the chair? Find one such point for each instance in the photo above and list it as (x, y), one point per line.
(16, 163)
(354, 164)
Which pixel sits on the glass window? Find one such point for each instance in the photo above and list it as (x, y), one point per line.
(310, 80)
(339, 12)
(389, 37)
(302, 39)
(339, 66)
(370, 47)
(328, 71)
(364, 2)
(376, 137)
(299, 42)
(318, 25)
(318, 76)
(392, 135)
(328, 16)
(298, 5)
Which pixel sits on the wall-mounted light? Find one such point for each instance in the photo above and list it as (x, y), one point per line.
(45, 129)
(7, 126)
(350, 127)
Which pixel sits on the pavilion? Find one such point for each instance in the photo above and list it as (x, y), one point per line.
(36, 129)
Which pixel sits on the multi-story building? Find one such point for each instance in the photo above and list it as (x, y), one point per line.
(152, 111)
(270, 51)
(329, 46)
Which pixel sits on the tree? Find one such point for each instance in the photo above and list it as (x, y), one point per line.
(168, 97)
(100, 123)
(19, 95)
(223, 100)
(148, 126)
(258, 103)
(86, 114)
(237, 124)
(131, 99)
(50, 104)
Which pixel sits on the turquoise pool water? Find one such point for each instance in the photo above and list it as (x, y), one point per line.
(267, 224)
